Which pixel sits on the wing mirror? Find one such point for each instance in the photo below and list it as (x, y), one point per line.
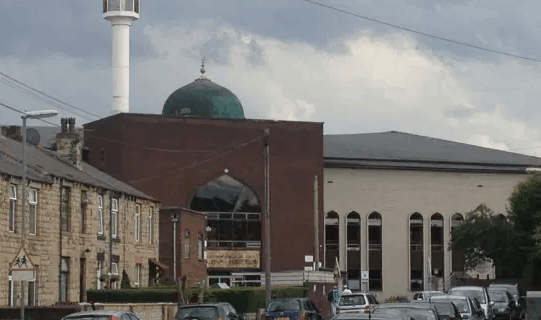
(492, 303)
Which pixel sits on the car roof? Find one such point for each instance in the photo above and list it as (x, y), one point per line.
(467, 288)
(97, 312)
(447, 297)
(207, 304)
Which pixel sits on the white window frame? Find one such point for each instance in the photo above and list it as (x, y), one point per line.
(12, 209)
(114, 218)
(33, 202)
(114, 271)
(100, 215)
(138, 268)
(35, 302)
(150, 224)
(137, 222)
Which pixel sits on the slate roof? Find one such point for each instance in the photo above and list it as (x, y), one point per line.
(44, 164)
(401, 150)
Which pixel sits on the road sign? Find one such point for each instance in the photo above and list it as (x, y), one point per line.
(22, 268)
(364, 275)
(308, 258)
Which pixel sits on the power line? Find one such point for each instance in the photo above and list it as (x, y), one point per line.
(27, 88)
(422, 33)
(223, 154)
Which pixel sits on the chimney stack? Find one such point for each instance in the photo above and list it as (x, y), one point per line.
(69, 143)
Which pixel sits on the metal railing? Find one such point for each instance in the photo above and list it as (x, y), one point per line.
(416, 247)
(437, 247)
(121, 5)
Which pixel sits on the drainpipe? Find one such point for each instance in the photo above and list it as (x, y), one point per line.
(110, 237)
(174, 219)
(60, 242)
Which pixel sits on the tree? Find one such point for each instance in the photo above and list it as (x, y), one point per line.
(513, 244)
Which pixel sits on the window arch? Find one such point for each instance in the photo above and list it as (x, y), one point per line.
(331, 238)
(374, 231)
(353, 230)
(457, 259)
(233, 213)
(416, 252)
(456, 220)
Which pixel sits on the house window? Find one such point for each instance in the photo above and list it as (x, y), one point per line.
(100, 215)
(64, 278)
(31, 293)
(65, 208)
(32, 210)
(200, 248)
(12, 207)
(84, 202)
(137, 222)
(114, 272)
(150, 225)
(114, 218)
(187, 244)
(98, 286)
(139, 274)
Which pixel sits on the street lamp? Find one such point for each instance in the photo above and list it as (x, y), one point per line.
(28, 115)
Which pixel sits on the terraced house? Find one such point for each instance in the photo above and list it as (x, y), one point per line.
(83, 229)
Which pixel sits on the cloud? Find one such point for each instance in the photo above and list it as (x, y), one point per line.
(361, 83)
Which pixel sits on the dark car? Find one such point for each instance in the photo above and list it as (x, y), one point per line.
(102, 315)
(446, 310)
(417, 312)
(208, 311)
(292, 309)
(505, 306)
(516, 291)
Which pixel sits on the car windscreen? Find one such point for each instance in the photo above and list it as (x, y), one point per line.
(197, 313)
(444, 308)
(89, 317)
(497, 296)
(352, 300)
(479, 294)
(461, 305)
(283, 305)
(512, 290)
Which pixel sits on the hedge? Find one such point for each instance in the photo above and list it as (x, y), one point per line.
(244, 299)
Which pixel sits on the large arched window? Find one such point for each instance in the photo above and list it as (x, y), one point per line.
(353, 250)
(331, 239)
(233, 213)
(375, 282)
(436, 247)
(416, 252)
(353, 230)
(457, 259)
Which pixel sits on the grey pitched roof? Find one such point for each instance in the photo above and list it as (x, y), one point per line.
(409, 151)
(44, 164)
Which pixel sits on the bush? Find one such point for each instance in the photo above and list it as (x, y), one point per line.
(396, 299)
(244, 299)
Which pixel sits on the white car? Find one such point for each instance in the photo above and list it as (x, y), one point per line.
(480, 293)
(355, 303)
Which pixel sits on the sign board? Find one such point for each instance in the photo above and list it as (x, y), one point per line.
(364, 275)
(308, 268)
(308, 258)
(22, 268)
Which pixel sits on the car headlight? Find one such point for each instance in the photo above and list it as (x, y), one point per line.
(502, 309)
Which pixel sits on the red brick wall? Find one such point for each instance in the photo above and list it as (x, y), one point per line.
(201, 149)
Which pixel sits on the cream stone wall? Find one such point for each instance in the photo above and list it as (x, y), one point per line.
(49, 245)
(396, 194)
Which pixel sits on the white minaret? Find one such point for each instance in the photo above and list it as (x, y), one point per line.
(121, 14)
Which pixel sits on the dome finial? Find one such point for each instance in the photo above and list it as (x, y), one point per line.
(203, 67)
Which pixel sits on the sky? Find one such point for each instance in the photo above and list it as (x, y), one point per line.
(294, 60)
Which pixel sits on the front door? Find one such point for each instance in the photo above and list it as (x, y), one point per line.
(82, 281)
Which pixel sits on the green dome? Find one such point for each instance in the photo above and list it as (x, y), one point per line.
(203, 98)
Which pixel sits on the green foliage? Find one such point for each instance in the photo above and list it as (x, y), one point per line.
(513, 244)
(396, 299)
(244, 299)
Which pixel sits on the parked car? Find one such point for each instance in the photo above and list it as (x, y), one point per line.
(102, 315)
(424, 295)
(355, 302)
(469, 308)
(446, 309)
(388, 315)
(208, 311)
(416, 312)
(292, 309)
(505, 306)
(516, 291)
(480, 293)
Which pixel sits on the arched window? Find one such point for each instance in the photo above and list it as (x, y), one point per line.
(456, 220)
(375, 282)
(233, 213)
(353, 259)
(436, 246)
(353, 230)
(331, 239)
(457, 259)
(416, 252)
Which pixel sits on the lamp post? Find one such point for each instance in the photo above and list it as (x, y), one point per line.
(174, 219)
(28, 115)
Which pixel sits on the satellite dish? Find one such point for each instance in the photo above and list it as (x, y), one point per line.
(32, 136)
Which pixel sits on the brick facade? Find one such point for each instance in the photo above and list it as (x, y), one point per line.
(170, 157)
(48, 245)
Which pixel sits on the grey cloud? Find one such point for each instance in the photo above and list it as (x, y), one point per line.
(459, 112)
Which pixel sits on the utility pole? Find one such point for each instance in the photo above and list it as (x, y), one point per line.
(316, 223)
(268, 292)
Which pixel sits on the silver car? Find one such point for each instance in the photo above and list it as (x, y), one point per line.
(355, 302)
(469, 308)
(480, 293)
(102, 315)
